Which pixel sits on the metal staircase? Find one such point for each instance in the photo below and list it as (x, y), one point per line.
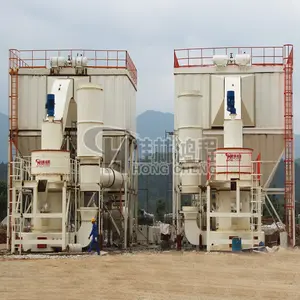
(256, 209)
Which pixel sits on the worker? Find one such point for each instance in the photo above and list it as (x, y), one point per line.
(94, 234)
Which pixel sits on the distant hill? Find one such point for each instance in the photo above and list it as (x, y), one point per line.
(153, 124)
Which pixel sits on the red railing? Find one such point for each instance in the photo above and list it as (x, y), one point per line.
(203, 57)
(108, 59)
(234, 164)
(234, 168)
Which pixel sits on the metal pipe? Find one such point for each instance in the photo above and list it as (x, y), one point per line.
(126, 193)
(173, 182)
(64, 196)
(9, 196)
(208, 218)
(100, 207)
(136, 191)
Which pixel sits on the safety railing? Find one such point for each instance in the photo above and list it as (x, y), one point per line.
(22, 169)
(203, 57)
(237, 163)
(108, 59)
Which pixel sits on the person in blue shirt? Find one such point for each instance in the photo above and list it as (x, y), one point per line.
(94, 234)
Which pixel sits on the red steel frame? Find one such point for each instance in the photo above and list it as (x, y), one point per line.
(289, 144)
(40, 59)
(260, 56)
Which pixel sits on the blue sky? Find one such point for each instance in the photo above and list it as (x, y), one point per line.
(149, 30)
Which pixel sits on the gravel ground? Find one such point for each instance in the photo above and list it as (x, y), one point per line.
(145, 276)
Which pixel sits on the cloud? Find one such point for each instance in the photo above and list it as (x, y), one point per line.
(149, 30)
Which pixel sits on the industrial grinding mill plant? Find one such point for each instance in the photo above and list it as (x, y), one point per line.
(72, 149)
(233, 125)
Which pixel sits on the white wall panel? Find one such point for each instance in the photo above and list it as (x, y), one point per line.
(269, 100)
(120, 101)
(32, 99)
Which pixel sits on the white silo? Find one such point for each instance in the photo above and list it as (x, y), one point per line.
(93, 177)
(189, 134)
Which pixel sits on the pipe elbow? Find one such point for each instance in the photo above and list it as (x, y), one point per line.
(191, 229)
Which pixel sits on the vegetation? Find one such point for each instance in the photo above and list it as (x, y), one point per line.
(3, 200)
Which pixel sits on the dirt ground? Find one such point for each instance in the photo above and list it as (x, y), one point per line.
(145, 276)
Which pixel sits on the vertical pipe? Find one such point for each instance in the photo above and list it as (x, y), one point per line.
(13, 226)
(64, 203)
(126, 193)
(208, 219)
(34, 204)
(21, 221)
(9, 180)
(76, 198)
(200, 208)
(238, 197)
(173, 182)
(136, 190)
(131, 192)
(100, 209)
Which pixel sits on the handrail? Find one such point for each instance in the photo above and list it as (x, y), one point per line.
(106, 59)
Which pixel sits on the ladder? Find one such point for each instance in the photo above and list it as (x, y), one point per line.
(13, 138)
(14, 82)
(17, 221)
(256, 209)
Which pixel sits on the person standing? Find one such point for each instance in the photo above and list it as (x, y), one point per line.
(95, 237)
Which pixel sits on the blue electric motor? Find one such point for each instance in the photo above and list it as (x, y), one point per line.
(50, 105)
(230, 102)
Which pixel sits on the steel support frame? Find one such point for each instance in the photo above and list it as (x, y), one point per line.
(289, 195)
(21, 211)
(130, 187)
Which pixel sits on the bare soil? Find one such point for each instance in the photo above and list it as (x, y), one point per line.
(145, 276)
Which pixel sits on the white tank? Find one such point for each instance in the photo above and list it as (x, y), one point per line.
(233, 163)
(220, 60)
(189, 126)
(189, 109)
(52, 137)
(58, 62)
(79, 61)
(50, 164)
(90, 109)
(190, 140)
(243, 59)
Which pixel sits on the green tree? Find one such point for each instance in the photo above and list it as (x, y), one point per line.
(3, 200)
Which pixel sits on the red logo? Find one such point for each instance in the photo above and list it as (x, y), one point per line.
(233, 156)
(42, 162)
